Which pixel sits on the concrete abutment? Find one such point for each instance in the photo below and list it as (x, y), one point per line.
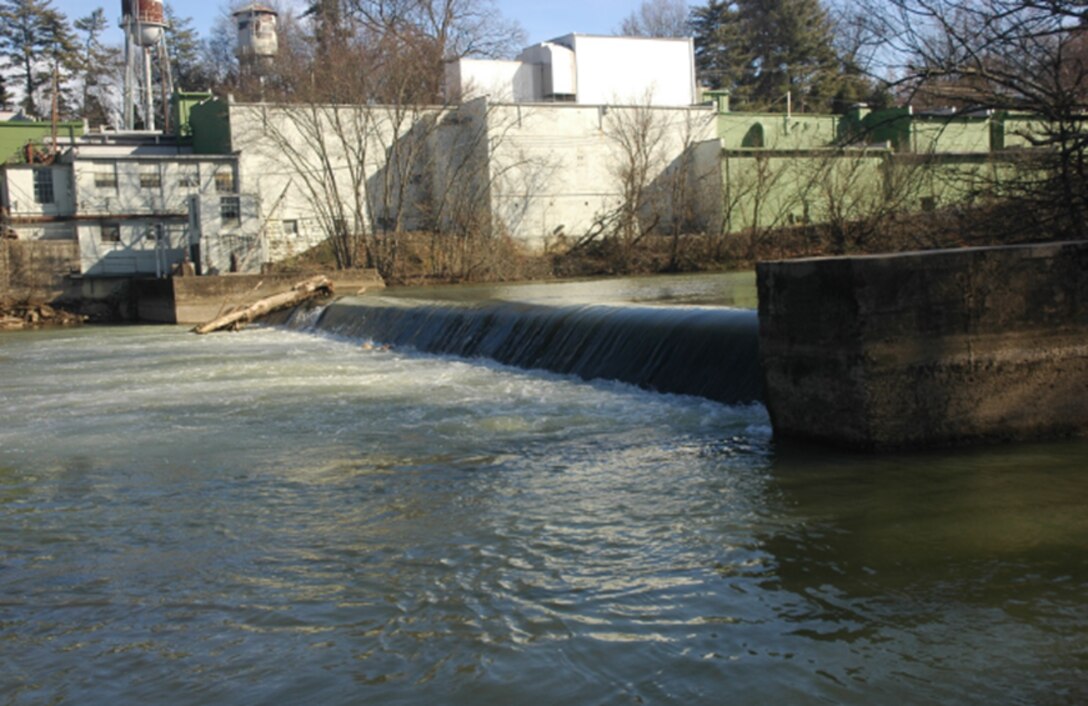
(929, 348)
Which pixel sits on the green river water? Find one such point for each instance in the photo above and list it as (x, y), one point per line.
(281, 517)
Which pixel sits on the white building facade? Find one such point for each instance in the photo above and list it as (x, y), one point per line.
(137, 205)
(534, 172)
(586, 70)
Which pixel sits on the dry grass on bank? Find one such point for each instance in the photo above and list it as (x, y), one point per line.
(424, 258)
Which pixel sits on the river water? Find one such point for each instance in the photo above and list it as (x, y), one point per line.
(284, 516)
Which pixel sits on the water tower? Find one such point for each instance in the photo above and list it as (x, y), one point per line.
(144, 25)
(257, 40)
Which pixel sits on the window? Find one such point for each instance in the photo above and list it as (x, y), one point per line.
(109, 233)
(150, 177)
(188, 176)
(43, 185)
(105, 176)
(151, 232)
(230, 210)
(290, 228)
(224, 180)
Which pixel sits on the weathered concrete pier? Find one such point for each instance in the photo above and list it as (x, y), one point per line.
(194, 300)
(928, 348)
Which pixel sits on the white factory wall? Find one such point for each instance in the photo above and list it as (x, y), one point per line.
(633, 70)
(136, 246)
(584, 69)
(535, 172)
(303, 160)
(556, 168)
(230, 245)
(25, 202)
(499, 81)
(143, 186)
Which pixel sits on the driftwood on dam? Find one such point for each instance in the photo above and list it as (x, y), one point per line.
(319, 286)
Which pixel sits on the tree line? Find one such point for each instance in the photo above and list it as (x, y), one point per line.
(817, 56)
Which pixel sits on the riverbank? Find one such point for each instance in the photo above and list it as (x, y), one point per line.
(24, 315)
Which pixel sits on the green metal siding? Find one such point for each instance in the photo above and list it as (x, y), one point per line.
(210, 123)
(181, 106)
(15, 135)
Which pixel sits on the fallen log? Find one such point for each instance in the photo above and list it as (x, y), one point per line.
(312, 288)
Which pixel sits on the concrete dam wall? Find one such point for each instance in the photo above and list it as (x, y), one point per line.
(930, 348)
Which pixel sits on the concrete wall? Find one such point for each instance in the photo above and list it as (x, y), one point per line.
(925, 349)
(37, 270)
(765, 189)
(778, 131)
(194, 300)
(314, 164)
(556, 169)
(134, 246)
(530, 171)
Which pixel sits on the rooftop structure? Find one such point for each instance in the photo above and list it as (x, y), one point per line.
(258, 42)
(586, 70)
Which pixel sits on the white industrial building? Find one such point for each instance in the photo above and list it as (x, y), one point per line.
(533, 172)
(138, 204)
(586, 70)
(539, 159)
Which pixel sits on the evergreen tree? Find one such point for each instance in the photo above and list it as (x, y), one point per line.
(5, 96)
(185, 49)
(721, 54)
(37, 42)
(763, 49)
(99, 66)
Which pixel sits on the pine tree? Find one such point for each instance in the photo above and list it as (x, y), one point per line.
(763, 49)
(721, 54)
(98, 64)
(37, 42)
(185, 49)
(5, 96)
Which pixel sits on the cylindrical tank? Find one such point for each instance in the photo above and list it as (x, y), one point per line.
(147, 16)
(257, 32)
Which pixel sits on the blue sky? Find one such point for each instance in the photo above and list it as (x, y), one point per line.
(541, 20)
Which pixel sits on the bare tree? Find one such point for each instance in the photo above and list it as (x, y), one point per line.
(456, 28)
(1010, 56)
(637, 135)
(657, 18)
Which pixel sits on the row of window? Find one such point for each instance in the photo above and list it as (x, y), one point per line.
(230, 213)
(111, 232)
(105, 177)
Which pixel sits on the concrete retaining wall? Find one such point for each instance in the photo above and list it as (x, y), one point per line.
(933, 348)
(193, 300)
(37, 270)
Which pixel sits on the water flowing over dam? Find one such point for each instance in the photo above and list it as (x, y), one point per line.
(709, 352)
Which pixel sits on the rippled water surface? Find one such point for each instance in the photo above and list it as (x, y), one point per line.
(276, 517)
